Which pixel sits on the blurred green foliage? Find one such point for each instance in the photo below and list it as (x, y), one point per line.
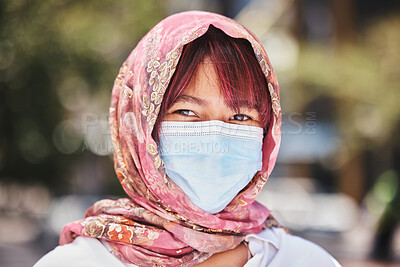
(362, 79)
(56, 56)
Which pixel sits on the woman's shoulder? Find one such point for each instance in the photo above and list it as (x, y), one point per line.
(84, 251)
(274, 247)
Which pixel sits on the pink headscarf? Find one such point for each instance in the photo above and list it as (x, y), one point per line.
(159, 225)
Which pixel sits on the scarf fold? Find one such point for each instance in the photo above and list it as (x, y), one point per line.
(158, 224)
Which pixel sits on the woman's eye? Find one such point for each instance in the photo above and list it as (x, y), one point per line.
(240, 117)
(185, 112)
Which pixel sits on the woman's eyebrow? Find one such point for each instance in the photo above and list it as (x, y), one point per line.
(192, 99)
(245, 104)
(202, 102)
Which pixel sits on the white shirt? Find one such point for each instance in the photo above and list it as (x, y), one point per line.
(272, 247)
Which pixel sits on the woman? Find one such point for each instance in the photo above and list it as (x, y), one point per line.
(195, 125)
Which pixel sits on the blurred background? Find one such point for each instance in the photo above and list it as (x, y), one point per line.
(337, 177)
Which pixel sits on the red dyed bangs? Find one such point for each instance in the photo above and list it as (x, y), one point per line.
(240, 76)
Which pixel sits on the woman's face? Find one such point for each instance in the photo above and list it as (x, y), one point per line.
(203, 101)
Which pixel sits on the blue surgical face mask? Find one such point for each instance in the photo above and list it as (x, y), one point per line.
(211, 161)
